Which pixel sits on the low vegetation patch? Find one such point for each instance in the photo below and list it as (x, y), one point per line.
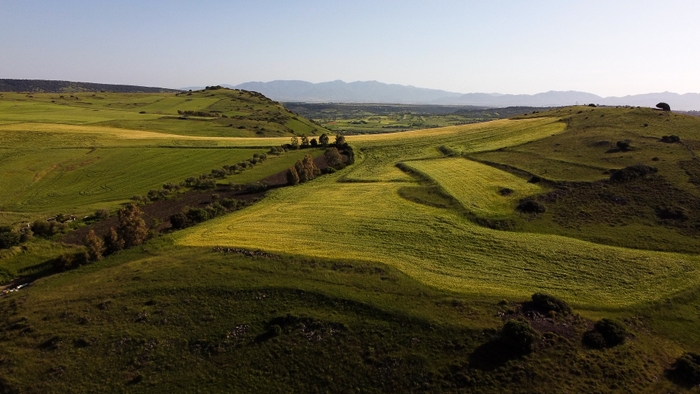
(606, 333)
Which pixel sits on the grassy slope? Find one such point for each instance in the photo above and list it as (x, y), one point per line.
(440, 248)
(71, 154)
(168, 316)
(248, 114)
(133, 322)
(616, 214)
(478, 187)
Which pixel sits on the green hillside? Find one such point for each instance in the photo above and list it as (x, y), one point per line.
(412, 269)
(76, 153)
(215, 112)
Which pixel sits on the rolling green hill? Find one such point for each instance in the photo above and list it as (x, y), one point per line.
(398, 273)
(76, 153)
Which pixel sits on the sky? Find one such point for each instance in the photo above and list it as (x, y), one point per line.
(609, 48)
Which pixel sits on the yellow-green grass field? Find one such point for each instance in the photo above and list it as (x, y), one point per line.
(366, 219)
(369, 221)
(381, 152)
(221, 113)
(74, 153)
(476, 186)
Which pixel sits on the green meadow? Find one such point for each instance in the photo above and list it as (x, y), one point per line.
(393, 274)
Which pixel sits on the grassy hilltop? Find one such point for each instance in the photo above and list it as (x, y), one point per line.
(75, 153)
(398, 273)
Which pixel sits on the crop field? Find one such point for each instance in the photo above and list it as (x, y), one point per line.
(381, 152)
(79, 179)
(481, 189)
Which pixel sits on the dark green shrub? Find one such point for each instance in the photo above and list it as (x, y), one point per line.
(206, 184)
(687, 368)
(215, 209)
(42, 228)
(670, 139)
(547, 303)
(594, 340)
(530, 206)
(632, 172)
(179, 221)
(197, 215)
(535, 179)
(231, 203)
(671, 213)
(613, 333)
(623, 145)
(102, 214)
(518, 336)
(69, 261)
(8, 237)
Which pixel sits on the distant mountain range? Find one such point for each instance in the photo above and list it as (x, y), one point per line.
(381, 93)
(377, 93)
(47, 86)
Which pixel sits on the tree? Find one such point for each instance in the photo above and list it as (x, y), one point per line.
(292, 176)
(339, 140)
(179, 221)
(663, 106)
(304, 141)
(314, 143)
(95, 246)
(294, 143)
(306, 169)
(112, 242)
(132, 229)
(323, 140)
(311, 166)
(333, 157)
(301, 171)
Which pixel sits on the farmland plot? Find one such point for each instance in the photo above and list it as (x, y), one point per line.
(481, 189)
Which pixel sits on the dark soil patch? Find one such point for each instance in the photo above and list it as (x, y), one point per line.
(570, 327)
(157, 214)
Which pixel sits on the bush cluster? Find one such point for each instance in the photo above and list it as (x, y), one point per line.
(201, 113)
(670, 139)
(191, 216)
(546, 303)
(518, 336)
(529, 205)
(632, 172)
(303, 171)
(606, 333)
(8, 237)
(208, 181)
(687, 368)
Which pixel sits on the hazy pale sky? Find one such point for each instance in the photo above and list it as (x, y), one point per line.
(602, 47)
